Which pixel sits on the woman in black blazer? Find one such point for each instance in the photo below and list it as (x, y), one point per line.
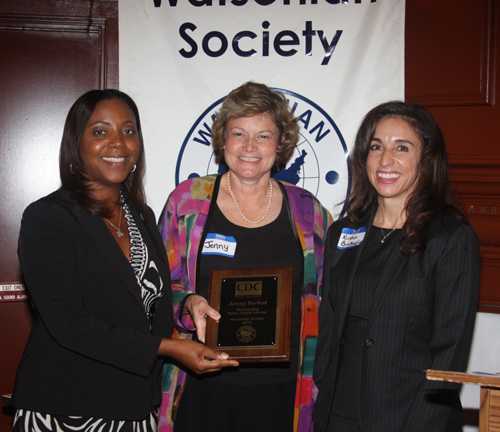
(98, 280)
(400, 285)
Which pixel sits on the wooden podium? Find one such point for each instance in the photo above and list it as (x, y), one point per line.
(489, 406)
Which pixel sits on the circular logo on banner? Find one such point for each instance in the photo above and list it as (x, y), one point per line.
(319, 163)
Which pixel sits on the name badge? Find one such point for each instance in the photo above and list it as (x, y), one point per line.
(351, 237)
(218, 244)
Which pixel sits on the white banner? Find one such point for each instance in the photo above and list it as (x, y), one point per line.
(333, 59)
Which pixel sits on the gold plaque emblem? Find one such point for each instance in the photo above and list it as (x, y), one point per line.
(246, 334)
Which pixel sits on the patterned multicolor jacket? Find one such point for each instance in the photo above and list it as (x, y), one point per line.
(182, 224)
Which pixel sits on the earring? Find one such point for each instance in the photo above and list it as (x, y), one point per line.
(71, 168)
(133, 169)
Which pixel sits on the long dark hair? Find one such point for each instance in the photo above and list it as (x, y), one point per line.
(432, 193)
(71, 170)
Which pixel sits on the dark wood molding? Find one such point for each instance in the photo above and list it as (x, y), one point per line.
(469, 47)
(104, 29)
(490, 269)
(54, 50)
(452, 67)
(81, 8)
(478, 191)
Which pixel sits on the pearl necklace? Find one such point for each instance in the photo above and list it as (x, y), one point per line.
(118, 229)
(237, 204)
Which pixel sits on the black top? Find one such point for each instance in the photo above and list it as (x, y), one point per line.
(373, 258)
(250, 397)
(272, 245)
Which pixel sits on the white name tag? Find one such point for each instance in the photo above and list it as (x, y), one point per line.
(218, 244)
(351, 237)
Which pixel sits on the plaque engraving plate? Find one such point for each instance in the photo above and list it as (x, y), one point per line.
(255, 305)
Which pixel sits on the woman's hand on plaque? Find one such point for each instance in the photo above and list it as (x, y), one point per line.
(199, 309)
(195, 356)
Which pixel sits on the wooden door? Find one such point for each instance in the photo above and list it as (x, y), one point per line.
(52, 51)
(453, 67)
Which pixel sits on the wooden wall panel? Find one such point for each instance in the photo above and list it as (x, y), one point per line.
(463, 47)
(478, 189)
(452, 55)
(29, 121)
(53, 51)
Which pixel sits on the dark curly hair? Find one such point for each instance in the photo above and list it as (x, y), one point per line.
(432, 192)
(71, 170)
(250, 99)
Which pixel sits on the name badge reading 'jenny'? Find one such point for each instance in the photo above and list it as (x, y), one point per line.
(351, 237)
(218, 244)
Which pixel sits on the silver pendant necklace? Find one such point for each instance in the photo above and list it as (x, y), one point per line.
(386, 235)
(237, 204)
(118, 229)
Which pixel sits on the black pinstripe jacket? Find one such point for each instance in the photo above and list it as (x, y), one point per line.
(423, 317)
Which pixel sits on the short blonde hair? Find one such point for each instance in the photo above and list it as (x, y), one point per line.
(250, 99)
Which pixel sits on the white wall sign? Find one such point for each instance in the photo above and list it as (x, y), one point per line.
(334, 60)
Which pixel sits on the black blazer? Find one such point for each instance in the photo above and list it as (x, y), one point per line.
(423, 317)
(90, 352)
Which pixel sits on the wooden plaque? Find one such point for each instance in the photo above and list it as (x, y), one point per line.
(256, 309)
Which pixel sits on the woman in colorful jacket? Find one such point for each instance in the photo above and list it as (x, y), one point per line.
(257, 222)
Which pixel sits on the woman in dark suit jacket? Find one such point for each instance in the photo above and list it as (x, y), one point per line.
(95, 268)
(400, 284)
